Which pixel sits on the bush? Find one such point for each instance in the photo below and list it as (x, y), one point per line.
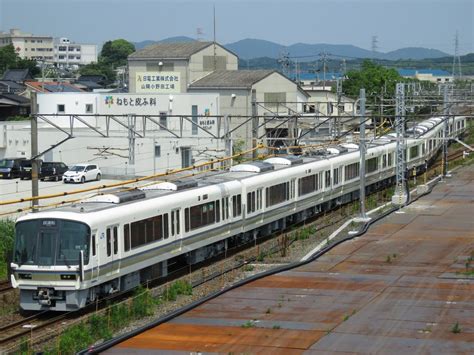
(7, 236)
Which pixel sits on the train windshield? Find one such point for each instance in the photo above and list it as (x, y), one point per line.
(49, 242)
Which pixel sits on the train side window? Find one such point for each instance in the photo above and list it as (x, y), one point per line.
(126, 237)
(109, 242)
(115, 240)
(237, 205)
(157, 228)
(218, 211)
(177, 221)
(166, 226)
(93, 244)
(186, 219)
(173, 221)
(327, 179)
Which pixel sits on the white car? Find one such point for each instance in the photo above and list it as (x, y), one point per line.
(82, 173)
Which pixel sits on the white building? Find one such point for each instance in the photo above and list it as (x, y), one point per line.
(159, 141)
(68, 54)
(29, 46)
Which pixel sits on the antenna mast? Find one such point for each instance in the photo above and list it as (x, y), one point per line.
(215, 49)
(457, 74)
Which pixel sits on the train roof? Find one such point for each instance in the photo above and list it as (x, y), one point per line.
(190, 180)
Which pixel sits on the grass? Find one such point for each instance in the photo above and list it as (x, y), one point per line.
(248, 324)
(276, 326)
(456, 329)
(102, 326)
(7, 236)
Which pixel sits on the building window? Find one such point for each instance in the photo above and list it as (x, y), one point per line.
(89, 108)
(157, 151)
(194, 112)
(61, 108)
(62, 49)
(163, 120)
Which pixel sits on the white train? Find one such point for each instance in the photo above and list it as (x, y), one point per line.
(66, 257)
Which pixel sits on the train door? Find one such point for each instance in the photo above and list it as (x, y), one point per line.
(94, 262)
(112, 247)
(175, 226)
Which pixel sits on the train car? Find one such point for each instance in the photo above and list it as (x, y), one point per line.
(66, 257)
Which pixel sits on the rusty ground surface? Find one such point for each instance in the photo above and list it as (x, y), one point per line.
(400, 288)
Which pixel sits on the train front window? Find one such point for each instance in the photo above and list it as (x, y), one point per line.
(51, 242)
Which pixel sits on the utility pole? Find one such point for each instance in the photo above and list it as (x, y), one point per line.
(324, 56)
(34, 151)
(362, 149)
(457, 73)
(131, 139)
(400, 196)
(336, 132)
(445, 128)
(254, 124)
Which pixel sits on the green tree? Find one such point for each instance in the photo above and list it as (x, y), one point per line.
(8, 57)
(98, 69)
(374, 78)
(29, 64)
(115, 52)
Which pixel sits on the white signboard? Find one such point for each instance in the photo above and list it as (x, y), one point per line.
(157, 82)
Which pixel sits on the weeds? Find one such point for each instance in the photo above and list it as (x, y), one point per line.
(456, 329)
(248, 324)
(249, 267)
(276, 326)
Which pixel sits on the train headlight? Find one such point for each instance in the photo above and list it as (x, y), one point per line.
(68, 277)
(24, 276)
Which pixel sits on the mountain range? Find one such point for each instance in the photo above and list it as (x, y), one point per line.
(257, 48)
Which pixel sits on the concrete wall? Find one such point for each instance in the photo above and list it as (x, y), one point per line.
(196, 69)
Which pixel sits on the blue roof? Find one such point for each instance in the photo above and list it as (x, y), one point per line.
(413, 72)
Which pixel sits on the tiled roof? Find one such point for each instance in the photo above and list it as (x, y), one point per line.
(52, 86)
(10, 86)
(16, 98)
(231, 79)
(170, 50)
(17, 75)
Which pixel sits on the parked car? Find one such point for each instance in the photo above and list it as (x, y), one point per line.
(10, 167)
(52, 171)
(25, 168)
(82, 173)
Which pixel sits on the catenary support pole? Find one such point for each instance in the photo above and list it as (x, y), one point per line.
(34, 151)
(362, 148)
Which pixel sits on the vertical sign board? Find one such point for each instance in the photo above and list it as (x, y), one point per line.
(157, 82)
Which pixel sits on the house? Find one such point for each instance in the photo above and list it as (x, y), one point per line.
(13, 105)
(17, 75)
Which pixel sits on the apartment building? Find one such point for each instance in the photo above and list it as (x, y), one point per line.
(29, 46)
(68, 54)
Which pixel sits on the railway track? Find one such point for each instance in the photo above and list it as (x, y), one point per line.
(24, 327)
(5, 286)
(11, 333)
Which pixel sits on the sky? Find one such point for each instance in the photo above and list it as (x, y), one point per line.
(396, 23)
